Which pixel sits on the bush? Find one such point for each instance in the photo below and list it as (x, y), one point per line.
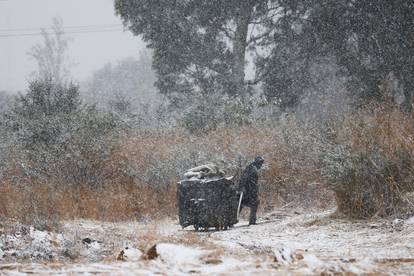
(57, 149)
(370, 164)
(207, 113)
(59, 138)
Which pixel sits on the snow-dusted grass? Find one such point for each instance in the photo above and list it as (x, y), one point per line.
(320, 242)
(141, 172)
(284, 242)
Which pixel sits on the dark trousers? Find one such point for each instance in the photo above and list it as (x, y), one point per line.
(253, 210)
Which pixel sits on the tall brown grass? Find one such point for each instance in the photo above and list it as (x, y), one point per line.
(366, 164)
(285, 177)
(371, 167)
(114, 203)
(142, 175)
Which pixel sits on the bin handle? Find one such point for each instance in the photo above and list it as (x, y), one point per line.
(238, 208)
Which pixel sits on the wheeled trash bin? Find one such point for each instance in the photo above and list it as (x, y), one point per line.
(206, 203)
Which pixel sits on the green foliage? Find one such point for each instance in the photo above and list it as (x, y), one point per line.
(44, 113)
(371, 41)
(172, 29)
(57, 136)
(211, 111)
(6, 101)
(286, 76)
(200, 45)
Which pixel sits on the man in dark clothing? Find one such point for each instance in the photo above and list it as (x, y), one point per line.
(248, 185)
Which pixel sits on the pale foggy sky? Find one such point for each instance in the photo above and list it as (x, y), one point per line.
(88, 51)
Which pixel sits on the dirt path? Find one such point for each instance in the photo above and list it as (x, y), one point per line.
(316, 243)
(282, 243)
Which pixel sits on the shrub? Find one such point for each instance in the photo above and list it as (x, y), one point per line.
(370, 163)
(208, 112)
(57, 137)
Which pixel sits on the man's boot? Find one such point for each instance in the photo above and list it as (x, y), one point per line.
(252, 219)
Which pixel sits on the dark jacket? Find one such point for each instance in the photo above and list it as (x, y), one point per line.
(248, 185)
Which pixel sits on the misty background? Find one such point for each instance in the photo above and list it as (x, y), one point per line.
(97, 37)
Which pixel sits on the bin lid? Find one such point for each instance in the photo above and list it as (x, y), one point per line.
(205, 180)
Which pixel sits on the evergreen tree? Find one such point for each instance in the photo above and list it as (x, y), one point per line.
(57, 135)
(371, 41)
(200, 46)
(43, 115)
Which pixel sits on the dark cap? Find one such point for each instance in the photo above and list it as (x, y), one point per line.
(258, 162)
(258, 159)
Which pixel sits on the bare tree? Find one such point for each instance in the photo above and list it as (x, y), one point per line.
(50, 55)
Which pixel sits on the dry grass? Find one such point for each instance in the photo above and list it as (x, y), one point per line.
(141, 176)
(286, 175)
(366, 166)
(373, 172)
(114, 203)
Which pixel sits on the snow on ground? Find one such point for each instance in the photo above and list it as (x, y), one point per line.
(324, 244)
(283, 242)
(178, 254)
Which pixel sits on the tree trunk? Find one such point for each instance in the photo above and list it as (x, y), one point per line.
(408, 87)
(239, 46)
(408, 100)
